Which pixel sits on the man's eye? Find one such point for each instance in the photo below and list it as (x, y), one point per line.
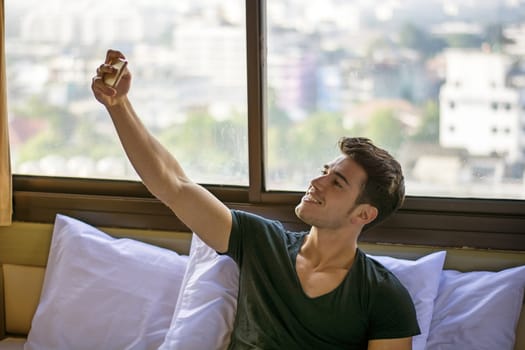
(338, 184)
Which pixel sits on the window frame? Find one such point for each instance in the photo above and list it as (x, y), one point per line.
(429, 221)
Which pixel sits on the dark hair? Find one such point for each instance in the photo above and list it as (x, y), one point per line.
(385, 185)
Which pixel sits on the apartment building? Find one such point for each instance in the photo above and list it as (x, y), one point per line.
(479, 110)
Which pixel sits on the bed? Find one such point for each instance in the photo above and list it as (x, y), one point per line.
(69, 285)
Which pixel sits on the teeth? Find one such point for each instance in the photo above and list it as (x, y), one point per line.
(311, 198)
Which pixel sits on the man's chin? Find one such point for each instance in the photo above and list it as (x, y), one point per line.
(301, 216)
(298, 211)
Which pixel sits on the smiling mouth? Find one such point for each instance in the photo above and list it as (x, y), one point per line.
(308, 197)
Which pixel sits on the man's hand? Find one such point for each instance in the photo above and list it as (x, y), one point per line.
(104, 93)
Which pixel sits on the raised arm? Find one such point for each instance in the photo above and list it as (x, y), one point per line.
(160, 172)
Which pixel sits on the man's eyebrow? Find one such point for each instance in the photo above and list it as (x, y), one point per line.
(337, 173)
(341, 176)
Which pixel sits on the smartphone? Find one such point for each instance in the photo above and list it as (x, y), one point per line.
(114, 78)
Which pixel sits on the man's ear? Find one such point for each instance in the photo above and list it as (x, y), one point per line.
(364, 214)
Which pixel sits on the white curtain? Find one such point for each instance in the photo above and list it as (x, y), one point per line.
(6, 184)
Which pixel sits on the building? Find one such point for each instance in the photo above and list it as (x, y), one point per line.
(479, 110)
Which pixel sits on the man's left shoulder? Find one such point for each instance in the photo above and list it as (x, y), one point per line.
(381, 276)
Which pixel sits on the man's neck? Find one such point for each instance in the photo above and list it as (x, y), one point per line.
(324, 261)
(329, 249)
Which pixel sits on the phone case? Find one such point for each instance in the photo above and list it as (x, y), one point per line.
(113, 79)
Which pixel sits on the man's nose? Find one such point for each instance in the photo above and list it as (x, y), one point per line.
(319, 181)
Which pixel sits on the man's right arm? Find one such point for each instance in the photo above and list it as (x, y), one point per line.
(160, 172)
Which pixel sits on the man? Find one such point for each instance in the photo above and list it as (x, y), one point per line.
(309, 290)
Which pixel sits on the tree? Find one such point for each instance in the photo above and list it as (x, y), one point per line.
(461, 40)
(428, 130)
(385, 129)
(53, 139)
(209, 149)
(277, 133)
(314, 142)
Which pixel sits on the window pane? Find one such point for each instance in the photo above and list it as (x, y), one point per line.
(188, 60)
(440, 84)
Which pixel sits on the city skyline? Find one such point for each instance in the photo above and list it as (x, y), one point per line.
(307, 73)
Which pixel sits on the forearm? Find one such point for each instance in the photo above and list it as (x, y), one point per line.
(158, 169)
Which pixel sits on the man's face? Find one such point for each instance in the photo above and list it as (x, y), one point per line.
(331, 197)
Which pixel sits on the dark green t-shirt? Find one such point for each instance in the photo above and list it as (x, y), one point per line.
(273, 312)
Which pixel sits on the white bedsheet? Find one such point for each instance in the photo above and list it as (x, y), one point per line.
(12, 344)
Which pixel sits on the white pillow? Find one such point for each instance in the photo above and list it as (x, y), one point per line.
(104, 293)
(421, 278)
(205, 312)
(477, 310)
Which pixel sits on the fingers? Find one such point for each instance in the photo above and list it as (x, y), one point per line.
(101, 71)
(98, 85)
(113, 55)
(97, 82)
(105, 69)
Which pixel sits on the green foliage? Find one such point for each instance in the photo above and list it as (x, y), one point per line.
(307, 145)
(53, 138)
(428, 130)
(385, 129)
(64, 134)
(209, 146)
(464, 41)
(278, 126)
(107, 144)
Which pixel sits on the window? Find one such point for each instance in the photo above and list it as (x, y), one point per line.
(299, 85)
(332, 69)
(188, 60)
(411, 59)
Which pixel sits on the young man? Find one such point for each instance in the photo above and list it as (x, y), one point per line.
(308, 290)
